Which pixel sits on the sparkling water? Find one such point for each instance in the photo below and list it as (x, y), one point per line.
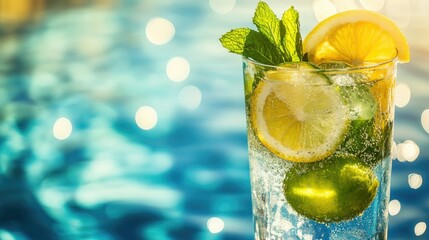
(369, 99)
(275, 219)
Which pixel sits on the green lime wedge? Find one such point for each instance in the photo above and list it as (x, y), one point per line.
(335, 189)
(366, 141)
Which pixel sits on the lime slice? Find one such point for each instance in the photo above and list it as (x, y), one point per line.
(367, 138)
(332, 190)
(298, 115)
(366, 141)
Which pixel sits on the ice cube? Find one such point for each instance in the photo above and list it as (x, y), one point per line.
(342, 74)
(361, 102)
(353, 88)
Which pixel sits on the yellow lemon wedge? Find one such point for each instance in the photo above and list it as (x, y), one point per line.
(358, 37)
(298, 116)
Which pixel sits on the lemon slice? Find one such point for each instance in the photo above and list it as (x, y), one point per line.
(356, 37)
(298, 115)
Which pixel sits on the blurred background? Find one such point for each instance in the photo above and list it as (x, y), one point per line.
(125, 119)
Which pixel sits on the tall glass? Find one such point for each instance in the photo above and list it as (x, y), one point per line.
(319, 148)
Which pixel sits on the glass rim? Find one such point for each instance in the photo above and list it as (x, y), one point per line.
(377, 65)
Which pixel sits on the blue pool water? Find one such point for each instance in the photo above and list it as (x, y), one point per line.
(186, 176)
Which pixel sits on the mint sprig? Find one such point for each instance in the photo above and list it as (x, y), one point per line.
(252, 44)
(292, 41)
(276, 41)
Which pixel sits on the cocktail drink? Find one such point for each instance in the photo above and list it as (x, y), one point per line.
(320, 122)
(319, 149)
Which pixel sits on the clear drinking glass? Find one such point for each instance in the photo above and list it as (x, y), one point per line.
(320, 149)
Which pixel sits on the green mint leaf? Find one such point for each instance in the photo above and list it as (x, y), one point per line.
(291, 41)
(235, 40)
(268, 24)
(251, 44)
(259, 48)
(276, 41)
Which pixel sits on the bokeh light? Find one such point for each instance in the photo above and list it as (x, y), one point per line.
(6, 235)
(146, 117)
(178, 69)
(420, 228)
(215, 225)
(394, 207)
(407, 151)
(323, 9)
(372, 5)
(425, 120)
(415, 180)
(190, 97)
(222, 6)
(344, 5)
(62, 128)
(403, 95)
(159, 31)
(399, 11)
